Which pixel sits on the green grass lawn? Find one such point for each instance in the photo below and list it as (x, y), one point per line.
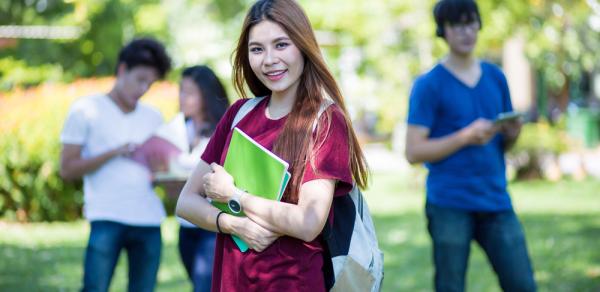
(561, 221)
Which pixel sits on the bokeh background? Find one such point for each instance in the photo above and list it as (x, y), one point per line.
(54, 51)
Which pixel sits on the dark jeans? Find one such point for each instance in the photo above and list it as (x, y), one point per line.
(197, 251)
(498, 233)
(107, 239)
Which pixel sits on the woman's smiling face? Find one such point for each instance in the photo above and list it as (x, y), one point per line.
(274, 58)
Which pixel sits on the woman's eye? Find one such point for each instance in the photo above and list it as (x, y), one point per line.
(281, 45)
(255, 50)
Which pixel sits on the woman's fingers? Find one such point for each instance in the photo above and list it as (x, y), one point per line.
(258, 238)
(217, 184)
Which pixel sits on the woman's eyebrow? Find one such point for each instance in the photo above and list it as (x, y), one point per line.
(281, 38)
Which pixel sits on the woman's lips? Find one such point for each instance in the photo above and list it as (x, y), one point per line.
(275, 75)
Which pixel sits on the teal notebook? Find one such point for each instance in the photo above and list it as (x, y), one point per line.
(255, 170)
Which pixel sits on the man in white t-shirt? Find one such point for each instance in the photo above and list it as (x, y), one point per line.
(119, 201)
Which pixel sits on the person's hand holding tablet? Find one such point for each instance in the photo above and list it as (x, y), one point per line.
(509, 124)
(508, 117)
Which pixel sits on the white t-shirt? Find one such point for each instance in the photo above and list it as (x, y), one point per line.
(121, 189)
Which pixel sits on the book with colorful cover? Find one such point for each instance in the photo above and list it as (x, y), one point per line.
(168, 143)
(255, 170)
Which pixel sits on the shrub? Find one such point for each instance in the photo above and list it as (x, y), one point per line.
(535, 152)
(30, 186)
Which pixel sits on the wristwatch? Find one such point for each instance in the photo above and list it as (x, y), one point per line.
(235, 203)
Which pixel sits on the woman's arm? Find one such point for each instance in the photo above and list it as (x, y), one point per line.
(191, 205)
(304, 221)
(195, 208)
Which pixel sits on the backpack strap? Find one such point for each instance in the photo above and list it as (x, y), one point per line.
(249, 105)
(324, 105)
(246, 108)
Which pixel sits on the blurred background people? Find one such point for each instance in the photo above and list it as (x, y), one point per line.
(119, 201)
(451, 128)
(203, 101)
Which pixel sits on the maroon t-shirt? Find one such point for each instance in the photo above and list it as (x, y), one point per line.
(289, 264)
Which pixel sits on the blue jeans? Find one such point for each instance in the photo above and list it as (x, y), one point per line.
(107, 239)
(498, 233)
(197, 251)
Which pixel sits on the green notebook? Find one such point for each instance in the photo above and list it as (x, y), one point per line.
(255, 170)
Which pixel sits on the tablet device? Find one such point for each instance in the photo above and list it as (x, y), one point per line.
(506, 117)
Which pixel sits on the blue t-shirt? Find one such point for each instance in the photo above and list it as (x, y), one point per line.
(473, 178)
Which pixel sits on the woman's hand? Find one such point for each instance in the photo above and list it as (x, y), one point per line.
(257, 237)
(218, 184)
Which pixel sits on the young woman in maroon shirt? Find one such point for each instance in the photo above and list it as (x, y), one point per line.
(278, 56)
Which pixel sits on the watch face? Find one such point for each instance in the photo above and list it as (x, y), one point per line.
(234, 206)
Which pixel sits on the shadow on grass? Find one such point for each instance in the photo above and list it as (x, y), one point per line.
(60, 268)
(563, 248)
(40, 269)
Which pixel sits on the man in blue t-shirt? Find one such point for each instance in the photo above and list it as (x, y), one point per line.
(451, 129)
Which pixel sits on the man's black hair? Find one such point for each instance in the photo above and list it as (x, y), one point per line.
(455, 12)
(146, 52)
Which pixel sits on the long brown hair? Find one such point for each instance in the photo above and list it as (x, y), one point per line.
(213, 96)
(315, 82)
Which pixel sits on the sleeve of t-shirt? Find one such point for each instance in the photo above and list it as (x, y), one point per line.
(216, 144)
(75, 129)
(331, 153)
(506, 102)
(422, 104)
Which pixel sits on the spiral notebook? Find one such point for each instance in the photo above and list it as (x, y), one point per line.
(255, 170)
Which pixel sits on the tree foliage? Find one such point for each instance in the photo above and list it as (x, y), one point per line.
(375, 48)
(394, 39)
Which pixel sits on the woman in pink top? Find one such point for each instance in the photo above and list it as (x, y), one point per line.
(278, 56)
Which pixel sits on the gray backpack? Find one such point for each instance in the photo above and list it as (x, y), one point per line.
(356, 261)
(353, 261)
